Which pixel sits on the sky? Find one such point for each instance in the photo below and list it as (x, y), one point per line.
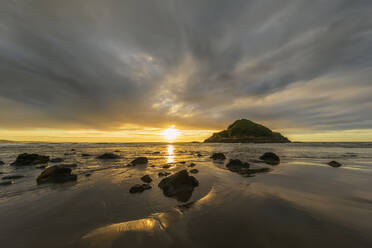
(125, 70)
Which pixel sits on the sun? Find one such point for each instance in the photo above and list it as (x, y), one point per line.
(170, 134)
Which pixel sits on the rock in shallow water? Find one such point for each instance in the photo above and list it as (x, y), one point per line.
(146, 179)
(26, 159)
(6, 183)
(1, 162)
(218, 156)
(56, 160)
(163, 174)
(138, 161)
(179, 185)
(108, 155)
(56, 174)
(194, 171)
(236, 165)
(139, 188)
(270, 158)
(334, 164)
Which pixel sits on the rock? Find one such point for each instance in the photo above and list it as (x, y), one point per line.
(218, 156)
(6, 183)
(85, 155)
(56, 174)
(334, 164)
(108, 155)
(194, 171)
(73, 150)
(88, 174)
(156, 153)
(163, 174)
(12, 177)
(192, 165)
(236, 165)
(117, 151)
(139, 188)
(270, 158)
(248, 172)
(1, 162)
(26, 159)
(167, 166)
(146, 179)
(246, 131)
(183, 162)
(56, 160)
(199, 155)
(179, 185)
(138, 161)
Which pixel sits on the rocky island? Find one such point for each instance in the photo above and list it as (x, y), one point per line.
(246, 131)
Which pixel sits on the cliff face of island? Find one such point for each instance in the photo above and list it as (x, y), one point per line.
(246, 131)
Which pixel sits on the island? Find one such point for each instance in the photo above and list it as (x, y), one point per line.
(246, 131)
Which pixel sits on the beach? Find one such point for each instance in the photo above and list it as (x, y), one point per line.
(302, 202)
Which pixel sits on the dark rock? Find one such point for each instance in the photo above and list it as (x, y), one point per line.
(56, 174)
(56, 160)
(138, 161)
(156, 153)
(199, 155)
(12, 177)
(85, 155)
(218, 156)
(139, 188)
(182, 162)
(26, 159)
(246, 131)
(179, 185)
(146, 179)
(1, 162)
(270, 158)
(88, 174)
(73, 150)
(334, 164)
(166, 166)
(194, 171)
(236, 165)
(117, 151)
(247, 171)
(6, 183)
(163, 174)
(108, 155)
(192, 165)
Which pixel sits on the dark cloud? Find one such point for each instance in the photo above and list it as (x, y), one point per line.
(201, 64)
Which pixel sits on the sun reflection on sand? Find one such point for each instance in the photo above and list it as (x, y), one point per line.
(170, 154)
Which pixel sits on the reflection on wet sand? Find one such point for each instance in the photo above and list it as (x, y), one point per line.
(170, 154)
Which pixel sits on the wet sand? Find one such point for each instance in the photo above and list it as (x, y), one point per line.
(297, 204)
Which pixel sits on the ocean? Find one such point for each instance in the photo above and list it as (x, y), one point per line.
(302, 202)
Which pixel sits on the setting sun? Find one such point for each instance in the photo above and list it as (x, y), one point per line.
(170, 134)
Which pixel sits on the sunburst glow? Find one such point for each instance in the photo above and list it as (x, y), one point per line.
(170, 134)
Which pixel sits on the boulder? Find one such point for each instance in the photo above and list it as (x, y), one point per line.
(163, 174)
(56, 160)
(179, 185)
(334, 164)
(146, 179)
(236, 165)
(139, 188)
(194, 171)
(26, 159)
(218, 156)
(108, 155)
(56, 174)
(270, 158)
(138, 161)
(12, 177)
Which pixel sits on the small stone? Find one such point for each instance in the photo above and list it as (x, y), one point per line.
(108, 155)
(166, 166)
(270, 158)
(218, 156)
(163, 174)
(56, 160)
(85, 155)
(88, 174)
(1, 162)
(192, 165)
(139, 188)
(41, 166)
(6, 183)
(194, 171)
(12, 177)
(146, 179)
(334, 164)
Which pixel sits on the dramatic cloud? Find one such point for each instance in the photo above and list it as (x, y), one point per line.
(291, 64)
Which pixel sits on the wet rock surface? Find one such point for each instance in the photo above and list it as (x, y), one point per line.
(179, 185)
(334, 164)
(270, 158)
(26, 159)
(138, 161)
(56, 174)
(146, 179)
(218, 156)
(108, 155)
(139, 188)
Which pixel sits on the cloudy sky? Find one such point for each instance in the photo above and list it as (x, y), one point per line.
(127, 69)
